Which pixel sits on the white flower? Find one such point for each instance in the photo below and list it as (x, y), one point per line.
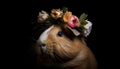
(42, 16)
(88, 28)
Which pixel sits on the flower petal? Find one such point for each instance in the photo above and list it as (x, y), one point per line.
(67, 16)
(42, 16)
(56, 13)
(88, 28)
(73, 22)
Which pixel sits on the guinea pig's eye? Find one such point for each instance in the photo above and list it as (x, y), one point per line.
(60, 34)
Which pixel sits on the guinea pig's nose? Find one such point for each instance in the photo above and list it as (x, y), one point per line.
(43, 44)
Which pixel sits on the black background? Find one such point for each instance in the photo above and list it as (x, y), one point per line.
(19, 15)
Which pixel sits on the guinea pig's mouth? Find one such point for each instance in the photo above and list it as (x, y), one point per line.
(42, 48)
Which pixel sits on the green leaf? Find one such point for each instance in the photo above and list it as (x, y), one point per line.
(47, 22)
(83, 18)
(64, 9)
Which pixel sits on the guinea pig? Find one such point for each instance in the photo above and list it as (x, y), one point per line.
(57, 46)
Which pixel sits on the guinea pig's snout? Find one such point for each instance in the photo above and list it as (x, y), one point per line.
(43, 37)
(43, 47)
(43, 44)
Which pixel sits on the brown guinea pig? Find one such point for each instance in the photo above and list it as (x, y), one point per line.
(58, 46)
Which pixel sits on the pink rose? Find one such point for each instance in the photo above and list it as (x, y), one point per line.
(73, 22)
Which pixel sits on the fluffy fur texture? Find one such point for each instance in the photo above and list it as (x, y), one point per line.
(62, 48)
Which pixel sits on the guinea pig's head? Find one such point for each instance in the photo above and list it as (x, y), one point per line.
(59, 43)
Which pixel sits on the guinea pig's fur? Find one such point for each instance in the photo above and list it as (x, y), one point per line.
(58, 46)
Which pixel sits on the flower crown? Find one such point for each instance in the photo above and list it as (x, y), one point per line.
(63, 16)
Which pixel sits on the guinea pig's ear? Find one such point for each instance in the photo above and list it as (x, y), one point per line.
(75, 32)
(67, 32)
(88, 28)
